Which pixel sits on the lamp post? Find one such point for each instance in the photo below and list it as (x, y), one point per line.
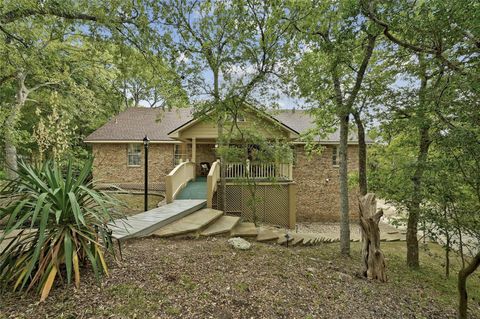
(145, 148)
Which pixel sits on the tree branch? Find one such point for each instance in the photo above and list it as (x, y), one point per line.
(368, 10)
(21, 13)
(361, 71)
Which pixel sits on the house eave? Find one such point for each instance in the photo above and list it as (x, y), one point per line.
(330, 142)
(130, 141)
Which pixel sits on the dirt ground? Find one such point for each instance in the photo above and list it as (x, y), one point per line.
(206, 278)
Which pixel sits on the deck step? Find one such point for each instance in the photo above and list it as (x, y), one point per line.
(267, 235)
(144, 224)
(191, 223)
(282, 240)
(244, 230)
(297, 240)
(222, 225)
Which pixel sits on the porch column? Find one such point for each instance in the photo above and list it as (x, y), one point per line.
(194, 149)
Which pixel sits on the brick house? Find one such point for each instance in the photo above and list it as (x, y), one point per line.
(308, 188)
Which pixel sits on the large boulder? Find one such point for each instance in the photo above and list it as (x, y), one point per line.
(239, 243)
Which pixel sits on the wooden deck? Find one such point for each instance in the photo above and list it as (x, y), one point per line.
(144, 224)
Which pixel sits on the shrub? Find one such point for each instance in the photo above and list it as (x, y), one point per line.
(61, 223)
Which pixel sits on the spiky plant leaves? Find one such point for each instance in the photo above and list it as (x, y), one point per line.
(59, 222)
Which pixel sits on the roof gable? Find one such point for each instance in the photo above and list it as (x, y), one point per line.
(205, 126)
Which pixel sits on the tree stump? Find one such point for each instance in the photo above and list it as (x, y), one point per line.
(372, 256)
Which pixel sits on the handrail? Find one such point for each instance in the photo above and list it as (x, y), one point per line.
(212, 181)
(177, 179)
(259, 170)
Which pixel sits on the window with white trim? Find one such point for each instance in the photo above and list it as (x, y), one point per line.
(134, 154)
(178, 156)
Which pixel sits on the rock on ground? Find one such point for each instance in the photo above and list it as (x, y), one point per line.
(239, 243)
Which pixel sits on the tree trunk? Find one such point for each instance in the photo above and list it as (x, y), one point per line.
(424, 144)
(220, 138)
(10, 123)
(362, 155)
(223, 181)
(447, 256)
(447, 244)
(372, 256)
(414, 207)
(343, 172)
(462, 286)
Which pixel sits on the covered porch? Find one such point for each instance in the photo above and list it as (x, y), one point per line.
(202, 153)
(196, 156)
(274, 193)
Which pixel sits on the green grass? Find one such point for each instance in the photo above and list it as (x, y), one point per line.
(431, 274)
(134, 300)
(134, 202)
(424, 284)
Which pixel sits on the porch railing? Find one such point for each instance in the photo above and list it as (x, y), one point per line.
(212, 181)
(178, 178)
(259, 170)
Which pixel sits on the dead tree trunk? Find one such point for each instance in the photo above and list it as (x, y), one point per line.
(372, 256)
(462, 285)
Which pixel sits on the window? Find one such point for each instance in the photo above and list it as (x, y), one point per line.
(134, 154)
(240, 118)
(335, 156)
(178, 156)
(294, 156)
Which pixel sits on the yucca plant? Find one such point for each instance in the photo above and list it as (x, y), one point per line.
(59, 222)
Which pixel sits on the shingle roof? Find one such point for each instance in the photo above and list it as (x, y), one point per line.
(302, 121)
(134, 123)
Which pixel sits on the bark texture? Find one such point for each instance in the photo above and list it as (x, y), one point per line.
(417, 178)
(373, 260)
(362, 155)
(343, 170)
(462, 286)
(414, 206)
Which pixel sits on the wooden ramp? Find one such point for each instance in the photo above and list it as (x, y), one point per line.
(190, 224)
(145, 223)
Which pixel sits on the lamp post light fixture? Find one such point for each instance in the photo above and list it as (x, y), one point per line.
(146, 140)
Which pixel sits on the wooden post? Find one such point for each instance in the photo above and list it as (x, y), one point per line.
(194, 150)
(168, 189)
(292, 205)
(194, 156)
(373, 260)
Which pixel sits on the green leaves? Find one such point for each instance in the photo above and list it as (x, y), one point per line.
(58, 224)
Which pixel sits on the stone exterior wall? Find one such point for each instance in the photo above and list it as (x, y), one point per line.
(317, 179)
(318, 197)
(110, 166)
